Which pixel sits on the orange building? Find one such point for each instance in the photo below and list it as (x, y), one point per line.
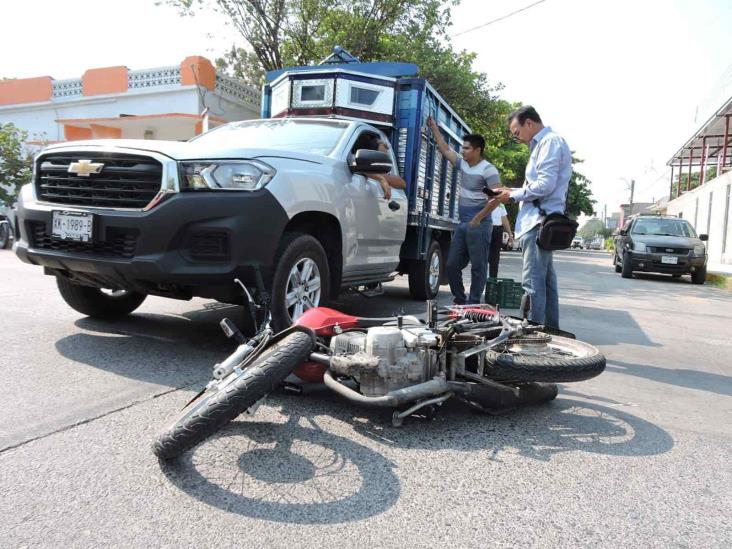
(115, 102)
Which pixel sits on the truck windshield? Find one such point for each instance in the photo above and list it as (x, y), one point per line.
(308, 136)
(663, 227)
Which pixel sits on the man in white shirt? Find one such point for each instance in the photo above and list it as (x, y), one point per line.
(544, 192)
(471, 240)
(500, 225)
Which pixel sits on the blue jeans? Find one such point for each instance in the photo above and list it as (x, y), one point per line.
(469, 245)
(540, 281)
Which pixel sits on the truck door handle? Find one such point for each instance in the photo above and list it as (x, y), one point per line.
(394, 205)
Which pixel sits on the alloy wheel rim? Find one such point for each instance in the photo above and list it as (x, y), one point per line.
(434, 271)
(303, 288)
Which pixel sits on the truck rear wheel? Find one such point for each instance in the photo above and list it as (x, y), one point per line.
(425, 275)
(98, 303)
(301, 279)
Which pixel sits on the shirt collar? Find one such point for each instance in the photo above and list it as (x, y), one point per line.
(539, 136)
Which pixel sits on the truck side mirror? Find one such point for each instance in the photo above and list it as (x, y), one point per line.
(367, 161)
(622, 232)
(703, 237)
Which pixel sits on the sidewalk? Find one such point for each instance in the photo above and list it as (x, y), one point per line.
(720, 275)
(719, 268)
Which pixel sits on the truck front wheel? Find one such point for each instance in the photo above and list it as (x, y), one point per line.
(97, 303)
(301, 279)
(425, 275)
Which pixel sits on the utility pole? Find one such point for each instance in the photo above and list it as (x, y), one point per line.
(604, 218)
(632, 188)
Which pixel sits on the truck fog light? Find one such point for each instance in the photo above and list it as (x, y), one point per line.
(641, 265)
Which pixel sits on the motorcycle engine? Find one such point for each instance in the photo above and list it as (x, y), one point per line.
(386, 358)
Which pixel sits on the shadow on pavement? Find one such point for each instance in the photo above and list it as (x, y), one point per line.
(298, 473)
(609, 326)
(539, 432)
(681, 377)
(287, 473)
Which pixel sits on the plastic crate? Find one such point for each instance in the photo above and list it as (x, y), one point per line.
(503, 292)
(510, 294)
(493, 289)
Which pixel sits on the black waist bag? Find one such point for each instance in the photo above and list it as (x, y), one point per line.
(556, 231)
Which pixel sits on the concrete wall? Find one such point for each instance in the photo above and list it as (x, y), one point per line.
(39, 119)
(694, 206)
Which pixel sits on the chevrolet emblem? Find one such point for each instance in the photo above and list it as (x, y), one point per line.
(83, 168)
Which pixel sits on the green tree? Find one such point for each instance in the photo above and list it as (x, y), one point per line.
(16, 164)
(283, 33)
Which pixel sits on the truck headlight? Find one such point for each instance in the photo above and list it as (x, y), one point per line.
(226, 175)
(699, 249)
(639, 247)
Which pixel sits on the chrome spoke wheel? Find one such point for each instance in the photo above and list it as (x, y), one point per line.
(303, 288)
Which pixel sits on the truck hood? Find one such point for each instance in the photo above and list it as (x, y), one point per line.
(180, 150)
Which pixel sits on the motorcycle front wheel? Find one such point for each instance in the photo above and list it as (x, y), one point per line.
(219, 405)
(545, 358)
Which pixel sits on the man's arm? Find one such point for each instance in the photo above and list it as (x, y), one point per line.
(506, 225)
(445, 149)
(547, 170)
(485, 212)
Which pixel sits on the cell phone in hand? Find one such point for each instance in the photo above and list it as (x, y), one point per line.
(489, 192)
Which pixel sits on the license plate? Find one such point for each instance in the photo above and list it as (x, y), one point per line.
(669, 259)
(77, 226)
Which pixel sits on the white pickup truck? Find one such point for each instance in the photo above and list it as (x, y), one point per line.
(287, 198)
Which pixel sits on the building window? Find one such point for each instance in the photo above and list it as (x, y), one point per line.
(709, 213)
(726, 222)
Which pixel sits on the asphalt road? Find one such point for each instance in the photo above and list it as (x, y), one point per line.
(638, 457)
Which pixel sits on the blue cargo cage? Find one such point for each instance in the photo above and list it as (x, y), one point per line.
(390, 97)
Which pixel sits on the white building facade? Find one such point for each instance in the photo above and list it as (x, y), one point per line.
(173, 103)
(706, 159)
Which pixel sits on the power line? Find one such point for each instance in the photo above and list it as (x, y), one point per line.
(499, 19)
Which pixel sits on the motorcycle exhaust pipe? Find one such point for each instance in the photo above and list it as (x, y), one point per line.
(434, 387)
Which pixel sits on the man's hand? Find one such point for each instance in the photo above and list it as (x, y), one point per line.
(503, 196)
(384, 186)
(432, 125)
(474, 223)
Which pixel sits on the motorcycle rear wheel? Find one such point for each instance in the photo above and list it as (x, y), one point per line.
(563, 360)
(216, 407)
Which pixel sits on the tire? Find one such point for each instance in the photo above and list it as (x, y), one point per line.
(4, 236)
(699, 276)
(96, 303)
(215, 408)
(298, 251)
(618, 268)
(584, 363)
(425, 275)
(625, 270)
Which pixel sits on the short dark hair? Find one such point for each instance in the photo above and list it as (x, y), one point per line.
(476, 140)
(522, 114)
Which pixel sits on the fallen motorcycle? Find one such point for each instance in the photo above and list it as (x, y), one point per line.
(474, 353)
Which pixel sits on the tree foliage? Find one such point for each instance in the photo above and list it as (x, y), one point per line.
(592, 228)
(16, 164)
(280, 33)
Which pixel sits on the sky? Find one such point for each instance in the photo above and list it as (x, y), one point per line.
(620, 80)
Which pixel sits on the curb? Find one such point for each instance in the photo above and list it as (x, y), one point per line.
(719, 280)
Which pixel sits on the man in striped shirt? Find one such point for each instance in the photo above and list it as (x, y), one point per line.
(471, 240)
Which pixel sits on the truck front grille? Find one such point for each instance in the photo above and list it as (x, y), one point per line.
(117, 242)
(124, 180)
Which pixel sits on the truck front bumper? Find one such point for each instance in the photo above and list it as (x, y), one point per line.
(187, 245)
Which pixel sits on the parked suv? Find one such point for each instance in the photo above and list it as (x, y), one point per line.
(660, 244)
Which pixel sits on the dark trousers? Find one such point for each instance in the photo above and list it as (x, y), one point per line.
(469, 245)
(494, 254)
